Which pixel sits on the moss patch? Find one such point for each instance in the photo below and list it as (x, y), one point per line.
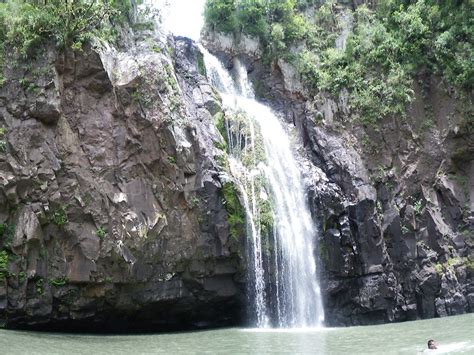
(3, 264)
(235, 211)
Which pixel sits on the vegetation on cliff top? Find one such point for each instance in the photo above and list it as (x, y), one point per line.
(386, 47)
(25, 25)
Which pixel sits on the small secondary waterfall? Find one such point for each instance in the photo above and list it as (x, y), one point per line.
(284, 280)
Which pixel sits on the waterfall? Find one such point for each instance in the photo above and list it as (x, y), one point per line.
(217, 75)
(285, 287)
(282, 269)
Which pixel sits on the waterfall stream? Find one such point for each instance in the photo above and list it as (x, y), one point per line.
(284, 288)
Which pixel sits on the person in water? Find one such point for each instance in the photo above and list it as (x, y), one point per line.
(432, 344)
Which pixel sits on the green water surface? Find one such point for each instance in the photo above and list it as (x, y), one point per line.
(454, 335)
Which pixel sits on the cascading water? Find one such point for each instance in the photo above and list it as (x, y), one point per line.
(284, 286)
(290, 271)
(217, 75)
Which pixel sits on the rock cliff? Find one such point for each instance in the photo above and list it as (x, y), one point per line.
(112, 211)
(393, 203)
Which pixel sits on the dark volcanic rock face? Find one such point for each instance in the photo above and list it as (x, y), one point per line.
(393, 203)
(111, 212)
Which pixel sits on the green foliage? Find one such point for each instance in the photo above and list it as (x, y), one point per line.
(170, 79)
(3, 264)
(266, 217)
(387, 46)
(220, 145)
(201, 64)
(58, 281)
(384, 52)
(378, 84)
(60, 216)
(195, 201)
(252, 18)
(275, 23)
(141, 97)
(21, 276)
(220, 15)
(3, 141)
(27, 25)
(455, 262)
(418, 207)
(235, 211)
(143, 26)
(171, 159)
(219, 119)
(101, 232)
(378, 174)
(234, 126)
(277, 36)
(6, 232)
(39, 286)
(156, 48)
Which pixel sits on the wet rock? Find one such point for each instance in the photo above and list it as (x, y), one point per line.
(440, 305)
(456, 304)
(428, 287)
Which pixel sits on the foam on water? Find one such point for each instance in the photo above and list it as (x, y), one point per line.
(303, 330)
(461, 347)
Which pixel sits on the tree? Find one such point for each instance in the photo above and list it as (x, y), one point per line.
(220, 15)
(25, 25)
